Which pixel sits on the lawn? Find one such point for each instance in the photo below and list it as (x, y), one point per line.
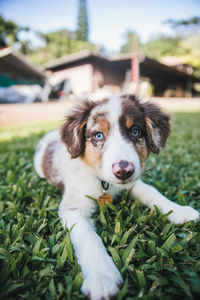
(157, 259)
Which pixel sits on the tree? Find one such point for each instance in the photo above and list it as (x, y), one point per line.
(59, 43)
(184, 43)
(189, 26)
(130, 38)
(26, 47)
(189, 33)
(163, 46)
(155, 48)
(8, 31)
(82, 30)
(10, 35)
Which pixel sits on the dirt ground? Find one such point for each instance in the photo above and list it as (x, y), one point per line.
(16, 114)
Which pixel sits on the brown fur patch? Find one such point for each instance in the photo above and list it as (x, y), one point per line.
(92, 155)
(49, 171)
(132, 116)
(99, 121)
(142, 151)
(157, 127)
(129, 122)
(93, 148)
(149, 124)
(149, 118)
(73, 130)
(104, 126)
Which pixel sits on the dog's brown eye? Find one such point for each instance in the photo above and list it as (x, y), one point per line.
(135, 132)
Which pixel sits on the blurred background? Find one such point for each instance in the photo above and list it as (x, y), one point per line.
(56, 51)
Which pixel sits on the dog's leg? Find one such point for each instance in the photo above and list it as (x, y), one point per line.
(150, 197)
(101, 277)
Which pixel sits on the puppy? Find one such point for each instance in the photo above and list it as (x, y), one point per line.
(104, 143)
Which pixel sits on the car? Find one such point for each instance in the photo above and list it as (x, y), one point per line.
(23, 94)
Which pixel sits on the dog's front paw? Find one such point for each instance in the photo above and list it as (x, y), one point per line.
(183, 214)
(103, 283)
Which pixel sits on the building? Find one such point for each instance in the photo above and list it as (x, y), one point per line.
(20, 80)
(15, 69)
(88, 72)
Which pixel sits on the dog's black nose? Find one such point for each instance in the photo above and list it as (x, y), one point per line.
(123, 169)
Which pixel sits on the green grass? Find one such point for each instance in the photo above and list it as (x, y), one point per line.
(157, 259)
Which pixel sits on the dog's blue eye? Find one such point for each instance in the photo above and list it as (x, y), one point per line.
(135, 132)
(99, 136)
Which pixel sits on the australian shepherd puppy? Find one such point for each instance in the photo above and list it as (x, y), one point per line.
(104, 145)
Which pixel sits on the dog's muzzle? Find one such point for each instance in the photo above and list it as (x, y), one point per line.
(123, 169)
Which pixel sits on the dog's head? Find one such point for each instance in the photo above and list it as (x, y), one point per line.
(114, 136)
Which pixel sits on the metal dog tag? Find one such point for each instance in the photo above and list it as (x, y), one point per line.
(104, 198)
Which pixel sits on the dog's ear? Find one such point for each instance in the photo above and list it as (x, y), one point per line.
(72, 131)
(157, 127)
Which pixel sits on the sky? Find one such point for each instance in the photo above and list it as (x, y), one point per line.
(108, 19)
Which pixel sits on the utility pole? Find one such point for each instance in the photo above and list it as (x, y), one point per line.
(135, 69)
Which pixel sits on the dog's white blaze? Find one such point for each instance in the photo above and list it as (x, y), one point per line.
(113, 106)
(116, 147)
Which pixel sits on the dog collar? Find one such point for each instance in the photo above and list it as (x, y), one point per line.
(105, 185)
